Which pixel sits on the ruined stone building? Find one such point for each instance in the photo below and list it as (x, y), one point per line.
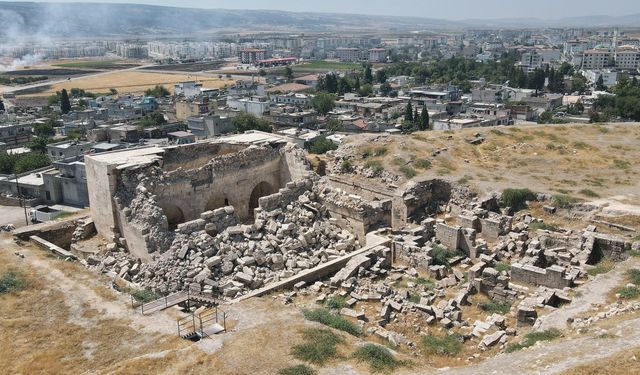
(139, 196)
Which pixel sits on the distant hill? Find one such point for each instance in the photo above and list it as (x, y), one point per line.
(23, 19)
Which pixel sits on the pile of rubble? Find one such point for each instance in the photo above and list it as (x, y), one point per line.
(279, 244)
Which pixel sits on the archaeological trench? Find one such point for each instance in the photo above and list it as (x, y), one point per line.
(238, 219)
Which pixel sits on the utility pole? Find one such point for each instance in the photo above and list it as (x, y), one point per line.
(26, 220)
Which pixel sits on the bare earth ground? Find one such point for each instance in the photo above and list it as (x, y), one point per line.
(133, 81)
(567, 159)
(70, 321)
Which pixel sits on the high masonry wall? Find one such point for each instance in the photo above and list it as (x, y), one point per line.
(139, 197)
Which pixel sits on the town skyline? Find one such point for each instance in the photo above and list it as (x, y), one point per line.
(461, 10)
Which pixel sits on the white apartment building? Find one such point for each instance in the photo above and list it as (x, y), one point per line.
(598, 58)
(627, 57)
(609, 77)
(348, 54)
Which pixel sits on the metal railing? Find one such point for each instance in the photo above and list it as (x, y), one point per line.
(197, 325)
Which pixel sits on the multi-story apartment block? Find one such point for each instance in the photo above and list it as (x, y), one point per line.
(598, 58)
(252, 55)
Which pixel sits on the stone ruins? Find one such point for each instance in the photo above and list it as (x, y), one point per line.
(243, 216)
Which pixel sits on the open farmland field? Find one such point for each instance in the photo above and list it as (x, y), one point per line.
(94, 64)
(132, 82)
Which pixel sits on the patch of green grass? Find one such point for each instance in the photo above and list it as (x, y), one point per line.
(531, 338)
(581, 145)
(328, 65)
(398, 161)
(564, 201)
(495, 307)
(621, 164)
(464, 180)
(497, 132)
(414, 297)
(589, 193)
(517, 198)
(378, 357)
(604, 266)
(629, 292)
(345, 166)
(606, 336)
(440, 256)
(11, 282)
(374, 165)
(324, 316)
(502, 267)
(298, 370)
(374, 152)
(634, 276)
(96, 64)
(540, 225)
(425, 282)
(143, 296)
(335, 302)
(407, 171)
(634, 253)
(422, 164)
(319, 346)
(448, 345)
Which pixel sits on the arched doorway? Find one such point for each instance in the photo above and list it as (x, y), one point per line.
(174, 215)
(261, 190)
(216, 201)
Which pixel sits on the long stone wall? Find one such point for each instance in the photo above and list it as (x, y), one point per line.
(552, 277)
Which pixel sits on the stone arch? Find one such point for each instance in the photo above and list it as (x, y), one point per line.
(174, 215)
(217, 201)
(262, 189)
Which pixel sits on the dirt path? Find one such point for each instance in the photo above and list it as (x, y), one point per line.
(555, 357)
(86, 288)
(592, 292)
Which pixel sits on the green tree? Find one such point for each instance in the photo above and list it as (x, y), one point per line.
(39, 144)
(600, 84)
(335, 125)
(246, 121)
(31, 161)
(152, 119)
(546, 117)
(368, 76)
(65, 105)
(262, 72)
(322, 145)
(365, 90)
(344, 86)
(408, 114)
(579, 83)
(424, 119)
(381, 76)
(385, 89)
(158, 91)
(288, 73)
(323, 103)
(44, 130)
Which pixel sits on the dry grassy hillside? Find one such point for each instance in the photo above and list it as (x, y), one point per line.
(585, 161)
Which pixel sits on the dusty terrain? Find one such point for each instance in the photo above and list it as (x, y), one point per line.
(585, 161)
(133, 82)
(69, 320)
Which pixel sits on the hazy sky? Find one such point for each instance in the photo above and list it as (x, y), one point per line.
(447, 9)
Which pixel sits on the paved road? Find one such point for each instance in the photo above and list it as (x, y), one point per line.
(12, 215)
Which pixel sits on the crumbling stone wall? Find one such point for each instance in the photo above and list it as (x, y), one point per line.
(552, 277)
(178, 184)
(353, 212)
